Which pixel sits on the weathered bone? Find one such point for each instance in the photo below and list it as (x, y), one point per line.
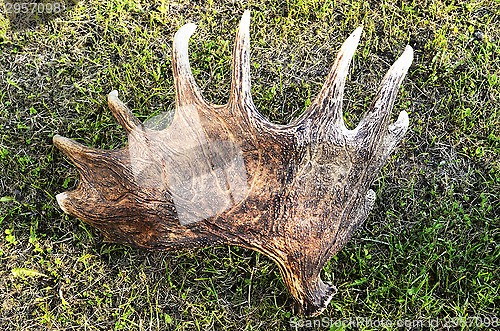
(226, 175)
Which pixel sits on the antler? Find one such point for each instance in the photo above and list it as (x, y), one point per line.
(226, 175)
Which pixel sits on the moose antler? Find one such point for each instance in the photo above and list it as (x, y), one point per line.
(226, 175)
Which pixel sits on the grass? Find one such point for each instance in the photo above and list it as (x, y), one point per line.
(429, 250)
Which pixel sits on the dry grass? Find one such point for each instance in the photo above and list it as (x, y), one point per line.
(430, 248)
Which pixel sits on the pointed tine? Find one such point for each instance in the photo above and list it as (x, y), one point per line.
(328, 103)
(241, 81)
(186, 90)
(122, 114)
(77, 152)
(377, 116)
(397, 130)
(64, 201)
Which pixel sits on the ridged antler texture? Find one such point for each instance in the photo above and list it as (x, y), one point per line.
(226, 175)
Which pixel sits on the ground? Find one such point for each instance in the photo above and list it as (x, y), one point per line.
(428, 253)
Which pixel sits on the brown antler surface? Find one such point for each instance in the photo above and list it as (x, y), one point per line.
(226, 175)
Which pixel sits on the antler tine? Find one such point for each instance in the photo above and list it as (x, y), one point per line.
(241, 82)
(122, 114)
(186, 90)
(375, 120)
(64, 200)
(77, 152)
(396, 131)
(327, 107)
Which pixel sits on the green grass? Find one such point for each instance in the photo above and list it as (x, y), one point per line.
(430, 249)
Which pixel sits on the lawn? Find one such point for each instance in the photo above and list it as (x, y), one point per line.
(429, 253)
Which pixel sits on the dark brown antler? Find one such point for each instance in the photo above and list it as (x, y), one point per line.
(226, 175)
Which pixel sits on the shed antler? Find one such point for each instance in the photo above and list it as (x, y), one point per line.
(226, 175)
